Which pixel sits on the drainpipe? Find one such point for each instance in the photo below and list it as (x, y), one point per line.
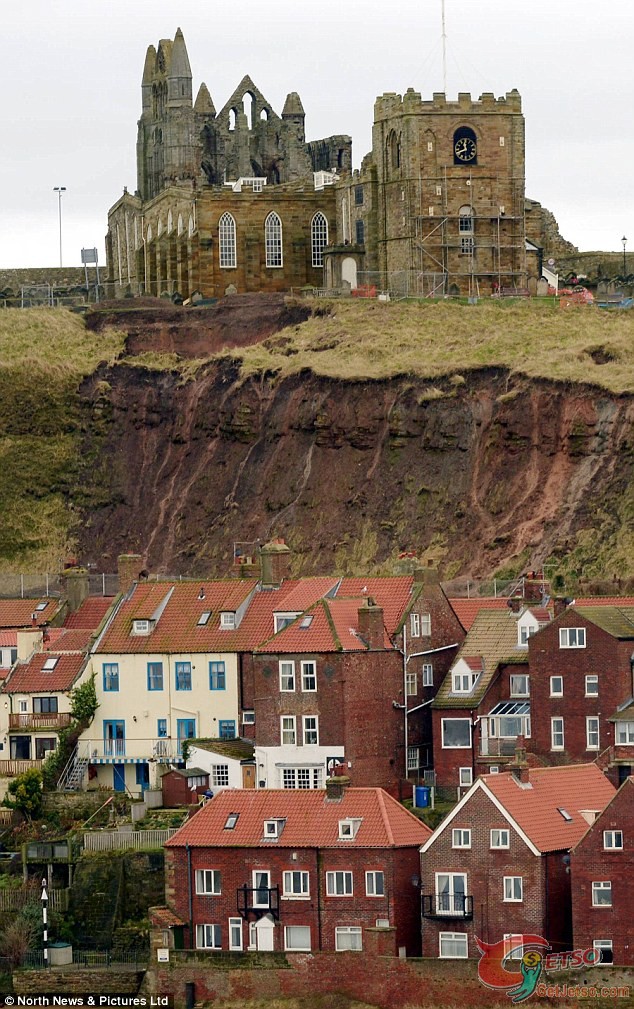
(318, 867)
(189, 896)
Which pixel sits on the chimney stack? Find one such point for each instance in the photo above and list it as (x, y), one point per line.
(371, 624)
(515, 604)
(335, 788)
(29, 642)
(275, 563)
(519, 768)
(76, 586)
(129, 568)
(426, 576)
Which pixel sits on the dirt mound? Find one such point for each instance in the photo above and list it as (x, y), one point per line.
(156, 325)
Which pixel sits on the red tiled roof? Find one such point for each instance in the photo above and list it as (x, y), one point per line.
(392, 594)
(467, 609)
(258, 622)
(536, 809)
(473, 661)
(333, 627)
(311, 820)
(604, 601)
(8, 639)
(541, 614)
(29, 677)
(19, 612)
(90, 613)
(162, 917)
(301, 594)
(61, 639)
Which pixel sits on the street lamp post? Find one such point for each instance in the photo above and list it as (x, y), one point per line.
(45, 922)
(624, 240)
(59, 190)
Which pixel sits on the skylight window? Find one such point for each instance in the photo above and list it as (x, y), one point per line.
(203, 619)
(41, 606)
(564, 812)
(306, 622)
(232, 819)
(50, 663)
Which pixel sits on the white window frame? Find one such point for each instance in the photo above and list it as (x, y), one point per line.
(288, 889)
(219, 776)
(428, 674)
(514, 945)
(453, 937)
(512, 886)
(309, 674)
(303, 778)
(463, 683)
(465, 777)
(451, 893)
(612, 836)
(318, 238)
(202, 936)
(572, 637)
(287, 676)
(288, 733)
(227, 258)
(553, 692)
(453, 746)
(262, 886)
(273, 242)
(413, 758)
(626, 729)
(411, 684)
(599, 886)
(592, 679)
(206, 878)
(312, 731)
(592, 732)
(555, 733)
(227, 621)
(414, 625)
(513, 687)
(601, 944)
(461, 837)
(425, 625)
(348, 828)
(296, 949)
(235, 923)
(350, 930)
(372, 877)
(346, 880)
(498, 834)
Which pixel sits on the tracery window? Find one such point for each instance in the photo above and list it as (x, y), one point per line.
(227, 242)
(273, 240)
(319, 238)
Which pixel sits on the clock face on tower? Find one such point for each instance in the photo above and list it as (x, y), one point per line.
(465, 149)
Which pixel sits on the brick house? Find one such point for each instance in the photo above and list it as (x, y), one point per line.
(484, 703)
(311, 679)
(498, 865)
(295, 870)
(581, 674)
(602, 864)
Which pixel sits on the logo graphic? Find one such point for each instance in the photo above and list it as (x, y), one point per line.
(492, 968)
(528, 952)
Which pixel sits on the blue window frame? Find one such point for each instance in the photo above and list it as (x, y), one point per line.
(110, 676)
(227, 729)
(217, 679)
(155, 675)
(185, 729)
(183, 675)
(161, 728)
(114, 738)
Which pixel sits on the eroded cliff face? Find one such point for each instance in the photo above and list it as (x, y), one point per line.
(496, 471)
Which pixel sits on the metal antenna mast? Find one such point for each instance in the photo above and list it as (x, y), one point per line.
(444, 49)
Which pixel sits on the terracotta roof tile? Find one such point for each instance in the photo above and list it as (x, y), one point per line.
(258, 622)
(19, 612)
(162, 917)
(604, 601)
(392, 594)
(90, 613)
(61, 639)
(8, 639)
(310, 820)
(30, 677)
(536, 809)
(330, 625)
(467, 609)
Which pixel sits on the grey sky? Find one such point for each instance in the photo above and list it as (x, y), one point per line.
(71, 72)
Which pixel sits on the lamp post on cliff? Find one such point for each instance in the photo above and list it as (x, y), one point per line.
(624, 240)
(59, 190)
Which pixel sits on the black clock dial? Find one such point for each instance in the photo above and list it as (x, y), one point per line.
(465, 149)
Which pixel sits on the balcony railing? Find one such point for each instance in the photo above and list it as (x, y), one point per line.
(493, 747)
(36, 720)
(258, 901)
(447, 905)
(158, 750)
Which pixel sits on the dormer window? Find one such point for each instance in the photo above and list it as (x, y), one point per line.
(203, 619)
(141, 626)
(273, 828)
(348, 829)
(524, 633)
(463, 683)
(50, 664)
(282, 620)
(227, 621)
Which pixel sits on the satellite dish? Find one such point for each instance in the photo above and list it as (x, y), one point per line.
(551, 262)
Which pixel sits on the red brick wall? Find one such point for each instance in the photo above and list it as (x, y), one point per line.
(322, 912)
(448, 761)
(603, 656)
(485, 868)
(590, 862)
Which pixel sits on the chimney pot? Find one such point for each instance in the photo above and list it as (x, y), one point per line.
(335, 787)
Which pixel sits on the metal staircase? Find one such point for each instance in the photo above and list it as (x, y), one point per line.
(72, 777)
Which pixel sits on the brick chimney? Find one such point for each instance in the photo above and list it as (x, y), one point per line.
(129, 568)
(76, 587)
(426, 576)
(371, 624)
(275, 563)
(561, 604)
(515, 604)
(335, 788)
(519, 768)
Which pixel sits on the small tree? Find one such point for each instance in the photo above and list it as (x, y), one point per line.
(25, 794)
(84, 703)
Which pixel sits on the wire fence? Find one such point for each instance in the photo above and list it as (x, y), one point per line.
(134, 958)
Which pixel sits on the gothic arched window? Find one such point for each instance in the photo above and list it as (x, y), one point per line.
(227, 242)
(319, 238)
(273, 240)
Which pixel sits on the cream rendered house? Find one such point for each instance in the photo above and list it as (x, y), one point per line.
(166, 668)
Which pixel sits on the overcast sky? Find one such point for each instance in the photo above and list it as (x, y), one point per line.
(71, 71)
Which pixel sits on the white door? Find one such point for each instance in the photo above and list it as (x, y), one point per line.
(349, 271)
(264, 929)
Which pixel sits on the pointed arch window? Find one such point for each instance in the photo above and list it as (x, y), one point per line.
(319, 238)
(273, 240)
(227, 242)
